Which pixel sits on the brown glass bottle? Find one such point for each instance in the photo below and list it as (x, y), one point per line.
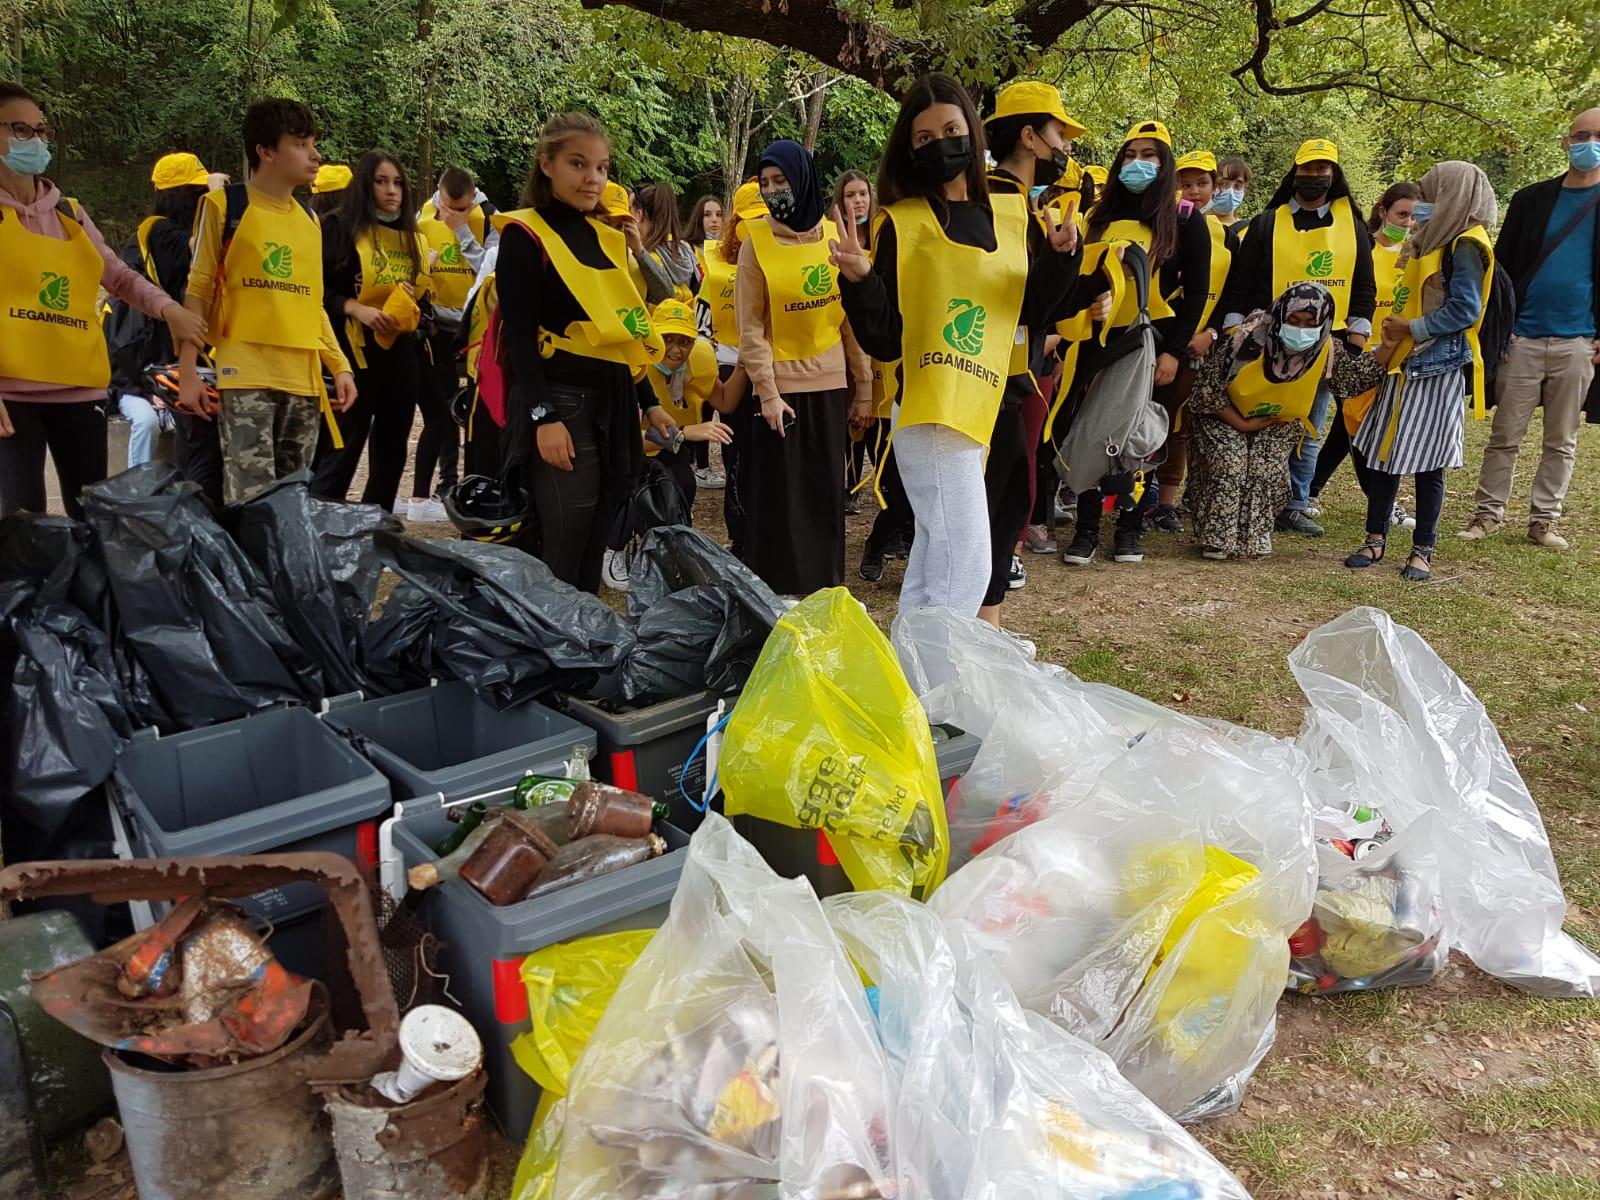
(509, 862)
(599, 808)
(593, 856)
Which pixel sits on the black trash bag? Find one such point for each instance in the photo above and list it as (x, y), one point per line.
(197, 613)
(505, 624)
(63, 714)
(56, 554)
(398, 646)
(318, 558)
(677, 638)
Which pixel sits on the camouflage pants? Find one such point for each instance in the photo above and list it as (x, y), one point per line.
(265, 436)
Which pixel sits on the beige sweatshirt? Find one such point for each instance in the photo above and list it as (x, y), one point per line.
(844, 366)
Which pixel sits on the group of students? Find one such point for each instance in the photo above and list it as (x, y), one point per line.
(950, 319)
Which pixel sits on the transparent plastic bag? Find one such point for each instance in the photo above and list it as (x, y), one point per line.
(827, 735)
(737, 1058)
(1393, 728)
(995, 1102)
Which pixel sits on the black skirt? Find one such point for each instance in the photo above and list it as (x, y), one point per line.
(793, 493)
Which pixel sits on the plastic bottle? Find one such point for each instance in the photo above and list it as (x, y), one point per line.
(591, 857)
(509, 862)
(468, 821)
(598, 808)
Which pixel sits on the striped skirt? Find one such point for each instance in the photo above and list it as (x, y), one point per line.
(1415, 424)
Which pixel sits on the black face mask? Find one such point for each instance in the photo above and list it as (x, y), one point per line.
(1312, 187)
(781, 204)
(942, 160)
(1059, 162)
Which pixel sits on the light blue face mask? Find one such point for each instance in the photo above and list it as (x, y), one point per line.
(386, 218)
(1584, 156)
(1038, 190)
(1225, 201)
(1138, 175)
(1297, 339)
(1422, 212)
(30, 156)
(670, 371)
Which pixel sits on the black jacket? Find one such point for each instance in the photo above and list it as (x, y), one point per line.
(1249, 285)
(1523, 231)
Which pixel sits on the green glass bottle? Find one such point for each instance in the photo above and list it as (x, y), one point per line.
(469, 821)
(535, 791)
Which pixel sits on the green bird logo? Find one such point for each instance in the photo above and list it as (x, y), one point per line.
(1402, 295)
(1319, 264)
(450, 256)
(964, 330)
(279, 260)
(55, 291)
(816, 280)
(635, 321)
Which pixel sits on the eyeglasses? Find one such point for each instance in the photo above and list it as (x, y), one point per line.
(1580, 136)
(22, 131)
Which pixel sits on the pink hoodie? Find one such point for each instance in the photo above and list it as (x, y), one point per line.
(118, 279)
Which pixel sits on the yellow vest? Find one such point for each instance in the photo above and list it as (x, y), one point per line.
(1326, 256)
(475, 222)
(1124, 313)
(1079, 328)
(385, 265)
(49, 329)
(959, 312)
(618, 328)
(271, 291)
(452, 274)
(700, 376)
(478, 322)
(716, 289)
(1254, 395)
(1407, 303)
(1386, 274)
(1221, 260)
(802, 292)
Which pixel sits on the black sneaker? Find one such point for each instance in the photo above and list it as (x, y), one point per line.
(1081, 552)
(852, 506)
(872, 565)
(898, 547)
(1126, 548)
(1292, 520)
(1018, 576)
(1164, 520)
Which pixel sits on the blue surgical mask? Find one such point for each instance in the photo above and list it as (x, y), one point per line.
(669, 371)
(1138, 175)
(1038, 190)
(1225, 201)
(386, 218)
(1584, 156)
(862, 218)
(30, 156)
(1422, 212)
(1297, 339)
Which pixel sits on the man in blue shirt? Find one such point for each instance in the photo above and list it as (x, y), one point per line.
(1550, 245)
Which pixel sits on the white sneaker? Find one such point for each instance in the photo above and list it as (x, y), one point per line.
(710, 478)
(614, 571)
(428, 512)
(402, 508)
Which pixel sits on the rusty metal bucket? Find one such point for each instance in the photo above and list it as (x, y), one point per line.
(433, 1148)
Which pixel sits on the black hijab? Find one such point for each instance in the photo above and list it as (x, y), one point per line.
(800, 169)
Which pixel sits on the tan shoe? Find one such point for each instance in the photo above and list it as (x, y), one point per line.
(1481, 526)
(1542, 533)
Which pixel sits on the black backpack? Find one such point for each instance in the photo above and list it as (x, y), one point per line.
(133, 340)
(656, 500)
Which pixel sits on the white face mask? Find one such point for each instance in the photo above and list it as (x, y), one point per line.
(1297, 339)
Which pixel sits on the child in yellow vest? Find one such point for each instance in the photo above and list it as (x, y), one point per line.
(272, 337)
(674, 392)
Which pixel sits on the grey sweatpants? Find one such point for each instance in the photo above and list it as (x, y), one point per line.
(942, 471)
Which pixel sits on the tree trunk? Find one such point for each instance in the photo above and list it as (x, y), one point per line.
(817, 105)
(425, 126)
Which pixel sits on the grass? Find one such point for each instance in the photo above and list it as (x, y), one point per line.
(1275, 1152)
(1390, 1127)
(1550, 1185)
(1569, 1101)
(1517, 1010)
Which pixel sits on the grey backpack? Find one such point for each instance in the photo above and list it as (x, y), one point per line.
(1118, 429)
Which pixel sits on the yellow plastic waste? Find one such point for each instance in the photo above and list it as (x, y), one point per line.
(569, 987)
(829, 735)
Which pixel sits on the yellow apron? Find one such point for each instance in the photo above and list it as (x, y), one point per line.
(272, 280)
(802, 292)
(478, 323)
(959, 322)
(430, 212)
(452, 274)
(1123, 314)
(1254, 395)
(49, 329)
(701, 377)
(1387, 275)
(716, 289)
(1326, 256)
(618, 328)
(1079, 328)
(1221, 260)
(385, 265)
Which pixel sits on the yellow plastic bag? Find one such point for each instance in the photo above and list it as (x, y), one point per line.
(569, 987)
(828, 735)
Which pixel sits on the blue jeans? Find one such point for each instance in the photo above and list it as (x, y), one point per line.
(144, 427)
(1303, 463)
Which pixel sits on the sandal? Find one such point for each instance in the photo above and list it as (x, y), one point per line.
(1416, 574)
(1371, 552)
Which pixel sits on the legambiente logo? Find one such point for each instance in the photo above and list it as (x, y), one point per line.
(816, 279)
(1319, 264)
(964, 330)
(635, 321)
(279, 260)
(55, 291)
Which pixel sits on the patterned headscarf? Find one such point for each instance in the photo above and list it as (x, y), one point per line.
(1258, 335)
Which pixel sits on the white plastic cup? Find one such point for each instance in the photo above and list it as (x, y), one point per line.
(437, 1045)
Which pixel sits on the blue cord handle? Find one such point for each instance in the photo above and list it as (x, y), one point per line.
(694, 754)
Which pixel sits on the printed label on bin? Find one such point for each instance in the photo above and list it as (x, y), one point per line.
(689, 777)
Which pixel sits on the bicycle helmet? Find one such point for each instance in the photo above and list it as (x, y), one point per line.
(484, 509)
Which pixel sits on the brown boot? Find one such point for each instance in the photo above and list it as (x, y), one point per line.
(1543, 533)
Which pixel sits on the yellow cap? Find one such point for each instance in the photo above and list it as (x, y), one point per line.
(674, 316)
(1030, 97)
(1316, 150)
(331, 177)
(1099, 174)
(178, 170)
(1149, 129)
(747, 201)
(615, 200)
(1198, 160)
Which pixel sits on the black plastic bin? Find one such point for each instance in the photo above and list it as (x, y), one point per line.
(482, 946)
(446, 739)
(275, 781)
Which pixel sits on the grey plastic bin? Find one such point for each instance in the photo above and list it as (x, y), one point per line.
(483, 946)
(647, 749)
(446, 739)
(277, 780)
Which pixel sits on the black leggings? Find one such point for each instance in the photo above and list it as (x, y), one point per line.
(568, 502)
(439, 443)
(74, 434)
(1005, 480)
(1382, 488)
(896, 520)
(733, 492)
(1334, 449)
(388, 390)
(199, 454)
